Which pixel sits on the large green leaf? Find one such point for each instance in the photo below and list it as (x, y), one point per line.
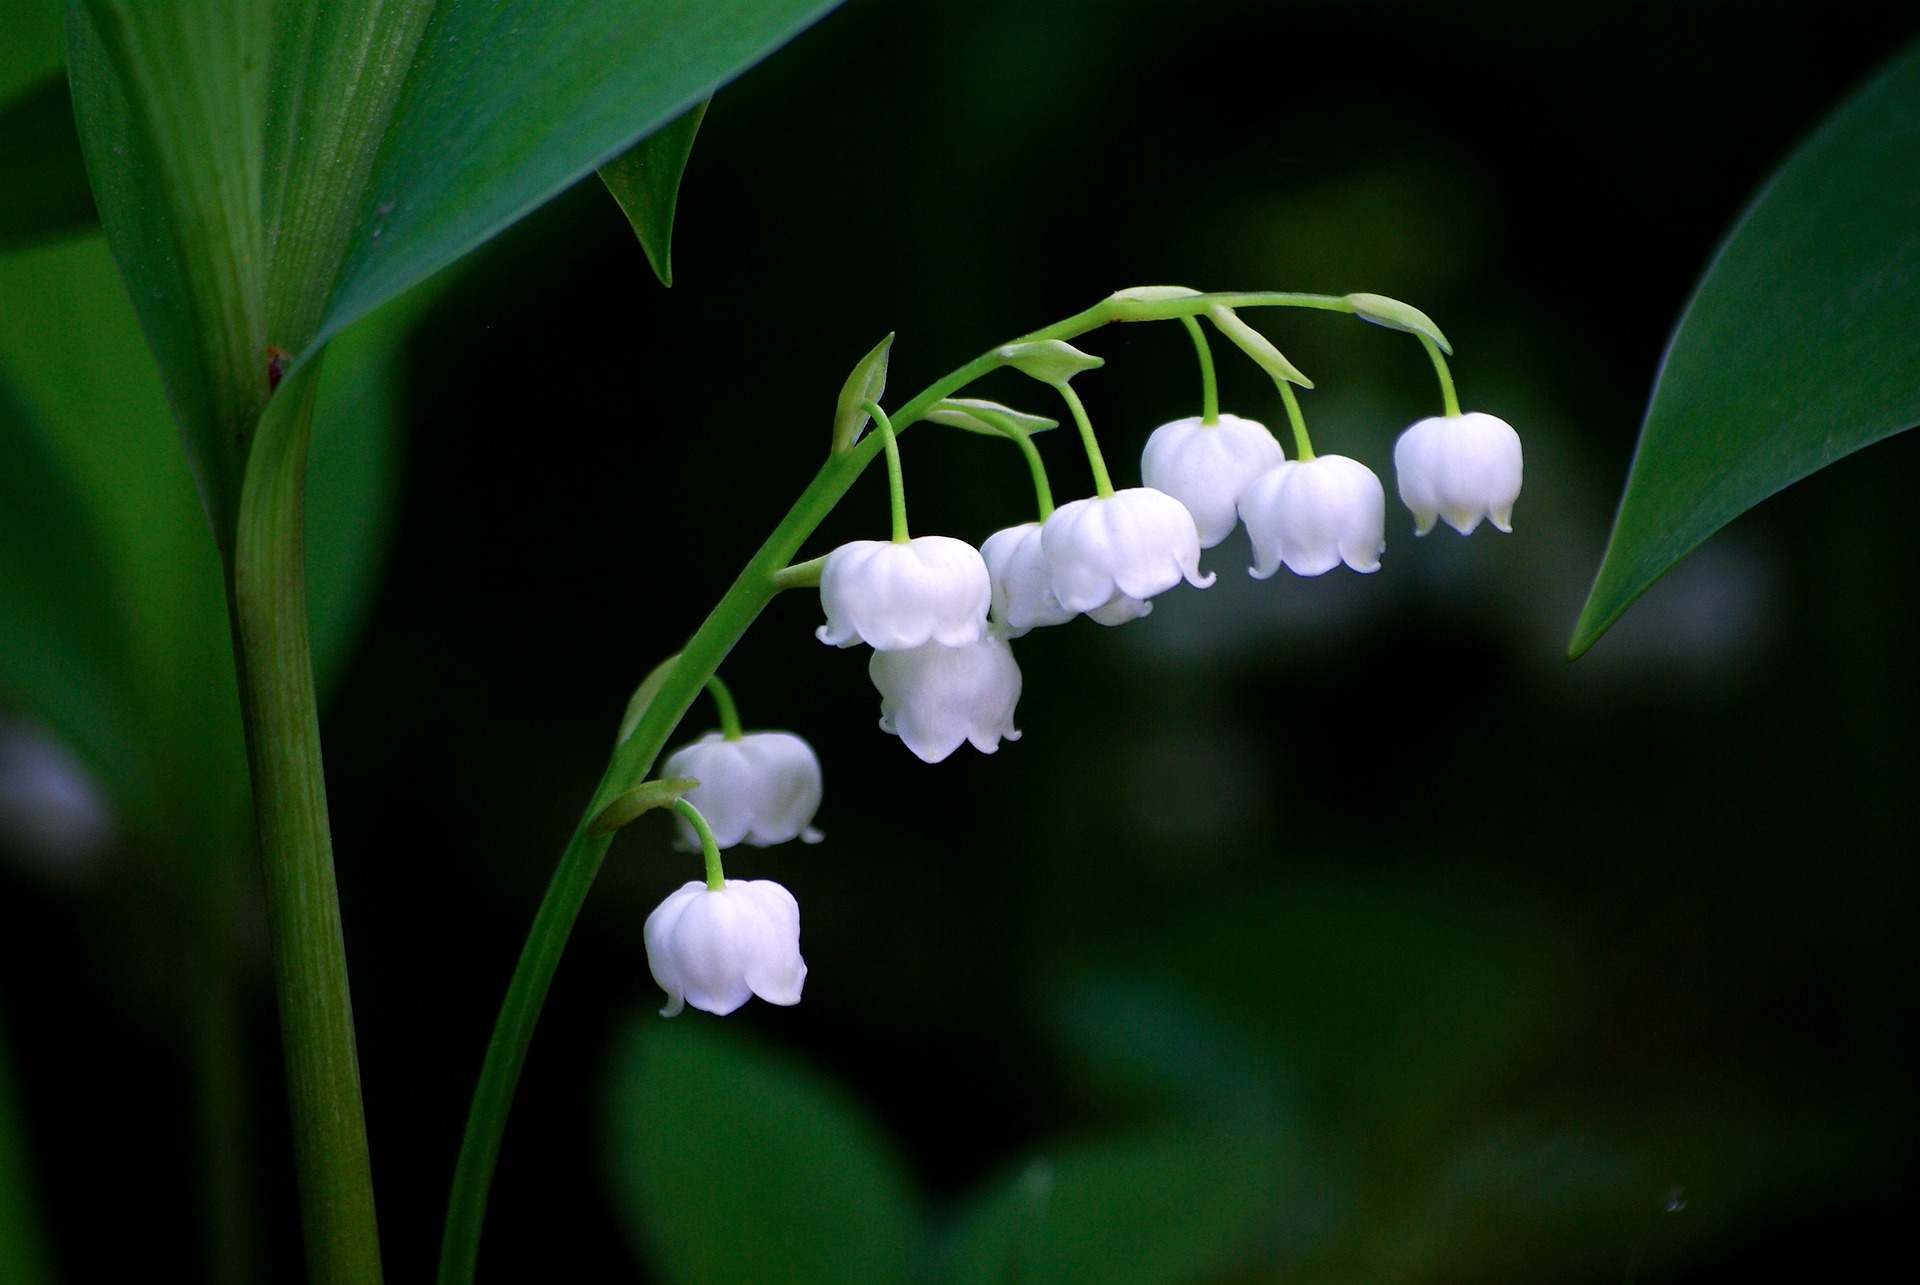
(1799, 347)
(1162, 1209)
(170, 100)
(645, 180)
(113, 622)
(512, 101)
(732, 1165)
(43, 183)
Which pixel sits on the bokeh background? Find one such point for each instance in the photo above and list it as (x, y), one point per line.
(1334, 930)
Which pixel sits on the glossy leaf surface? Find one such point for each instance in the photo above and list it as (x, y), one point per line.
(510, 102)
(1799, 347)
(645, 180)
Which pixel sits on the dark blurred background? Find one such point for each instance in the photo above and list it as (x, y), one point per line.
(1504, 969)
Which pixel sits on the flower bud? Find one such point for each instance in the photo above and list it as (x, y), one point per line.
(1208, 466)
(1022, 590)
(935, 697)
(897, 596)
(762, 789)
(1134, 544)
(714, 948)
(1461, 468)
(1314, 514)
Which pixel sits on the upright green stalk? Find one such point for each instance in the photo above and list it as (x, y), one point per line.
(269, 604)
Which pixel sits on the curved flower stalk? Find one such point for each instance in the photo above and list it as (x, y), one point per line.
(943, 677)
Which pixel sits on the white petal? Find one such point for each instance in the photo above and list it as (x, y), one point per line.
(1138, 542)
(1311, 515)
(934, 698)
(895, 596)
(1207, 467)
(762, 789)
(1464, 468)
(1022, 590)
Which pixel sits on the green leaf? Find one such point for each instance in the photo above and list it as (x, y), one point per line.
(978, 415)
(867, 383)
(181, 204)
(511, 102)
(645, 180)
(732, 1164)
(127, 532)
(353, 475)
(638, 801)
(43, 181)
(1394, 315)
(1161, 1209)
(33, 50)
(1051, 361)
(1797, 349)
(1256, 346)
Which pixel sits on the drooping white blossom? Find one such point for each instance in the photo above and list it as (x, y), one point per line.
(935, 697)
(898, 595)
(714, 948)
(761, 790)
(1207, 467)
(1460, 468)
(1131, 544)
(1312, 515)
(1022, 590)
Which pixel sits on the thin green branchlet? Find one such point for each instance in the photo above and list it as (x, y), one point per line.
(1102, 483)
(1447, 396)
(896, 482)
(654, 720)
(1209, 389)
(709, 850)
(1301, 442)
(723, 706)
(1042, 490)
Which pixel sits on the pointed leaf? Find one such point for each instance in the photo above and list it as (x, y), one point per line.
(510, 102)
(977, 415)
(640, 800)
(867, 383)
(1394, 315)
(1256, 346)
(1051, 361)
(1797, 349)
(43, 180)
(732, 1164)
(645, 180)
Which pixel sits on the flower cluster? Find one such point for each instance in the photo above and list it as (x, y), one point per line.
(940, 616)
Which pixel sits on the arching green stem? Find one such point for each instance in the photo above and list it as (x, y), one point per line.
(716, 877)
(896, 483)
(1447, 396)
(1302, 444)
(1042, 489)
(1102, 484)
(1209, 390)
(724, 706)
(765, 574)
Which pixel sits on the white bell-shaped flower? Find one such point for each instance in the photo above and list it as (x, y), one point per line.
(714, 948)
(935, 697)
(761, 790)
(1207, 467)
(1315, 514)
(1131, 544)
(1460, 468)
(1022, 590)
(894, 595)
